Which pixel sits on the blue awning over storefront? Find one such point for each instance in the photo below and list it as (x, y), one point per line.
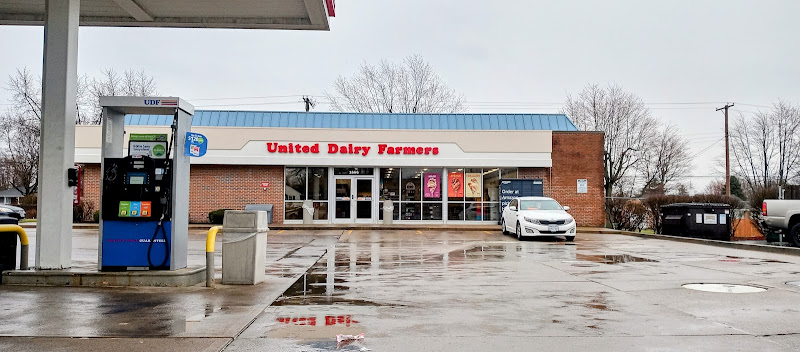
(221, 118)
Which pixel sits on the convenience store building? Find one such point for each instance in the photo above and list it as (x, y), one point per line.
(435, 168)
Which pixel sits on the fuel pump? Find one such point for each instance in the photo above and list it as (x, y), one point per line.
(136, 213)
(144, 195)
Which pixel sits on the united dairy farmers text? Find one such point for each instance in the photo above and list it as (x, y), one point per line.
(337, 148)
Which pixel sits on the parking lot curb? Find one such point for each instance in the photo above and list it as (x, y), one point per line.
(725, 244)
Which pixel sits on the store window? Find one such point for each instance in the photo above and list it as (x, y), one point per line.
(390, 190)
(306, 183)
(473, 193)
(508, 172)
(295, 183)
(455, 211)
(390, 184)
(410, 211)
(410, 184)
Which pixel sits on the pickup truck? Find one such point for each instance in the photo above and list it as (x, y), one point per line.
(783, 215)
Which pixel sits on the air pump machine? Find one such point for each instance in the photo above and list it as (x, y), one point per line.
(144, 207)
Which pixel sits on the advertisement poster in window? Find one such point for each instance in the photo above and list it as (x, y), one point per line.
(455, 181)
(474, 186)
(432, 185)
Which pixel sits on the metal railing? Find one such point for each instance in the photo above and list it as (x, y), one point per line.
(23, 241)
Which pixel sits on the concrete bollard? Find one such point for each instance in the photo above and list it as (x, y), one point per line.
(308, 212)
(388, 212)
(244, 247)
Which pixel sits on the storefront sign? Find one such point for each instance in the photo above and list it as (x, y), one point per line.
(432, 185)
(350, 148)
(153, 145)
(474, 186)
(455, 180)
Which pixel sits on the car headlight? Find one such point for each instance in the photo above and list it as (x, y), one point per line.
(532, 220)
(569, 221)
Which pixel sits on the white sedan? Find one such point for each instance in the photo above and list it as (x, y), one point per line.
(537, 216)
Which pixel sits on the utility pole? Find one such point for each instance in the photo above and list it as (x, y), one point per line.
(309, 103)
(727, 152)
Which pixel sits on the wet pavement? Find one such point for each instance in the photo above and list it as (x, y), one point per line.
(436, 291)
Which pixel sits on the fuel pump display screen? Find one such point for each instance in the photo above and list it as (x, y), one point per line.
(137, 178)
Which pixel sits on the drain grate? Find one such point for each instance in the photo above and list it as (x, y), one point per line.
(725, 288)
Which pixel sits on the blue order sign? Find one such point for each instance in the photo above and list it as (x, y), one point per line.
(511, 188)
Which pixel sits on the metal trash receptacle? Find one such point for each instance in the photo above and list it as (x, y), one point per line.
(261, 207)
(8, 246)
(699, 220)
(244, 247)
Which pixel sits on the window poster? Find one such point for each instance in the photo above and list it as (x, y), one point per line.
(473, 189)
(455, 181)
(432, 185)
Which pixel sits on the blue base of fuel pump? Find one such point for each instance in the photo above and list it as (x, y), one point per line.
(126, 245)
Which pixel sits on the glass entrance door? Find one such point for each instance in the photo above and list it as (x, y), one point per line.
(354, 200)
(344, 193)
(363, 201)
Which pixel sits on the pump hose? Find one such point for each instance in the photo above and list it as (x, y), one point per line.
(153, 240)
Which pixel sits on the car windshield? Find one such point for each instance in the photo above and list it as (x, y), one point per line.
(539, 205)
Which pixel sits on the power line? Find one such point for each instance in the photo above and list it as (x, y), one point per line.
(241, 104)
(261, 97)
(707, 148)
(756, 105)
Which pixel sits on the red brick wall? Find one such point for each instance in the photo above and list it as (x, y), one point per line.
(576, 155)
(90, 183)
(213, 187)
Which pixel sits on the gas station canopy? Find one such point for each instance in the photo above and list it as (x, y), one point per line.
(253, 14)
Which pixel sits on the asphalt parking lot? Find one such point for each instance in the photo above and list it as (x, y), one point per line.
(437, 291)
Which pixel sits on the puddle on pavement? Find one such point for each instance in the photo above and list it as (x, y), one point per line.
(750, 261)
(613, 258)
(328, 282)
(794, 283)
(724, 288)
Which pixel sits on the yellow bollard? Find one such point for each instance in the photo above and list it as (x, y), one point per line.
(210, 240)
(23, 241)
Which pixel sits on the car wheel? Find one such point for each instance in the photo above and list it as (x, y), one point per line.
(569, 238)
(795, 235)
(503, 227)
(519, 232)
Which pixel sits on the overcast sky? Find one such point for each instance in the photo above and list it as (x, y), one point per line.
(494, 52)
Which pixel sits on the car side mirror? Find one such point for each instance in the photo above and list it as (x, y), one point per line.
(512, 208)
(566, 208)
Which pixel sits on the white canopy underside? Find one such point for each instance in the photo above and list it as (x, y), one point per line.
(250, 14)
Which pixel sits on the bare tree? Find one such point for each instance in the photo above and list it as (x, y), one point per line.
(20, 124)
(766, 147)
(627, 124)
(411, 87)
(19, 132)
(110, 83)
(665, 159)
